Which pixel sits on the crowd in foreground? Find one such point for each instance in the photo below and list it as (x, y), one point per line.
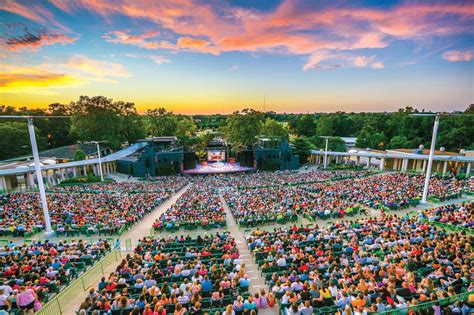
(178, 275)
(29, 274)
(366, 266)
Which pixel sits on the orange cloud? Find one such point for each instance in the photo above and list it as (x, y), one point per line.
(95, 69)
(124, 37)
(33, 80)
(294, 27)
(33, 42)
(458, 55)
(195, 44)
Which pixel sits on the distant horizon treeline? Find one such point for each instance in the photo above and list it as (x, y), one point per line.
(99, 118)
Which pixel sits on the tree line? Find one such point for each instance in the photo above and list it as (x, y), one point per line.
(118, 123)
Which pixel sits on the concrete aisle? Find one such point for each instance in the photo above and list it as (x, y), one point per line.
(257, 281)
(138, 231)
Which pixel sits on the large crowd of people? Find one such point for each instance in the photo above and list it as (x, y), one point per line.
(198, 207)
(455, 215)
(333, 199)
(76, 213)
(370, 265)
(29, 274)
(178, 275)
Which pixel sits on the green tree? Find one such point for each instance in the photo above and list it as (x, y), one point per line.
(370, 139)
(160, 122)
(306, 126)
(398, 142)
(302, 147)
(59, 134)
(243, 128)
(79, 155)
(97, 118)
(274, 130)
(15, 140)
(334, 143)
(325, 126)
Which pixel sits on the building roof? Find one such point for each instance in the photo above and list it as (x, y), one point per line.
(67, 152)
(424, 151)
(109, 158)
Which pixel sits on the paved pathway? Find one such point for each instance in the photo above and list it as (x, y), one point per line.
(255, 276)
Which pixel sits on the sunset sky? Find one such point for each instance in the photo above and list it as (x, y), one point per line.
(194, 56)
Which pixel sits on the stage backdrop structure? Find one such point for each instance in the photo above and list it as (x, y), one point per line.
(165, 156)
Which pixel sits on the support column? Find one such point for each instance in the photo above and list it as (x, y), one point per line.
(85, 170)
(358, 160)
(368, 161)
(424, 166)
(31, 180)
(382, 164)
(404, 165)
(3, 184)
(468, 169)
(74, 171)
(415, 163)
(445, 167)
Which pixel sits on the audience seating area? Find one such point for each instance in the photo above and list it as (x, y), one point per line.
(198, 207)
(370, 265)
(173, 274)
(45, 267)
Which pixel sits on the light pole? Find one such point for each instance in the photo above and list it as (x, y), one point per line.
(100, 161)
(430, 160)
(326, 151)
(34, 148)
(430, 157)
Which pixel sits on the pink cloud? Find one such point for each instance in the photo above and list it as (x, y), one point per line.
(33, 11)
(458, 55)
(141, 40)
(294, 27)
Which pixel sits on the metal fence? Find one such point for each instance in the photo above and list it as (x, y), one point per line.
(427, 305)
(59, 303)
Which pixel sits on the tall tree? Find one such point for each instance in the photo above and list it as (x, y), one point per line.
(306, 126)
(274, 130)
(15, 140)
(243, 127)
(302, 147)
(97, 119)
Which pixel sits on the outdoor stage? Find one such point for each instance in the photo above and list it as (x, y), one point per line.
(218, 168)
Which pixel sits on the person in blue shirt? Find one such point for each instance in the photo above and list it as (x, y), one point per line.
(244, 282)
(206, 284)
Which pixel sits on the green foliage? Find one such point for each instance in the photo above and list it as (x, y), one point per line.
(398, 142)
(370, 139)
(306, 126)
(90, 178)
(334, 143)
(302, 147)
(15, 140)
(100, 119)
(79, 155)
(243, 128)
(160, 123)
(274, 130)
